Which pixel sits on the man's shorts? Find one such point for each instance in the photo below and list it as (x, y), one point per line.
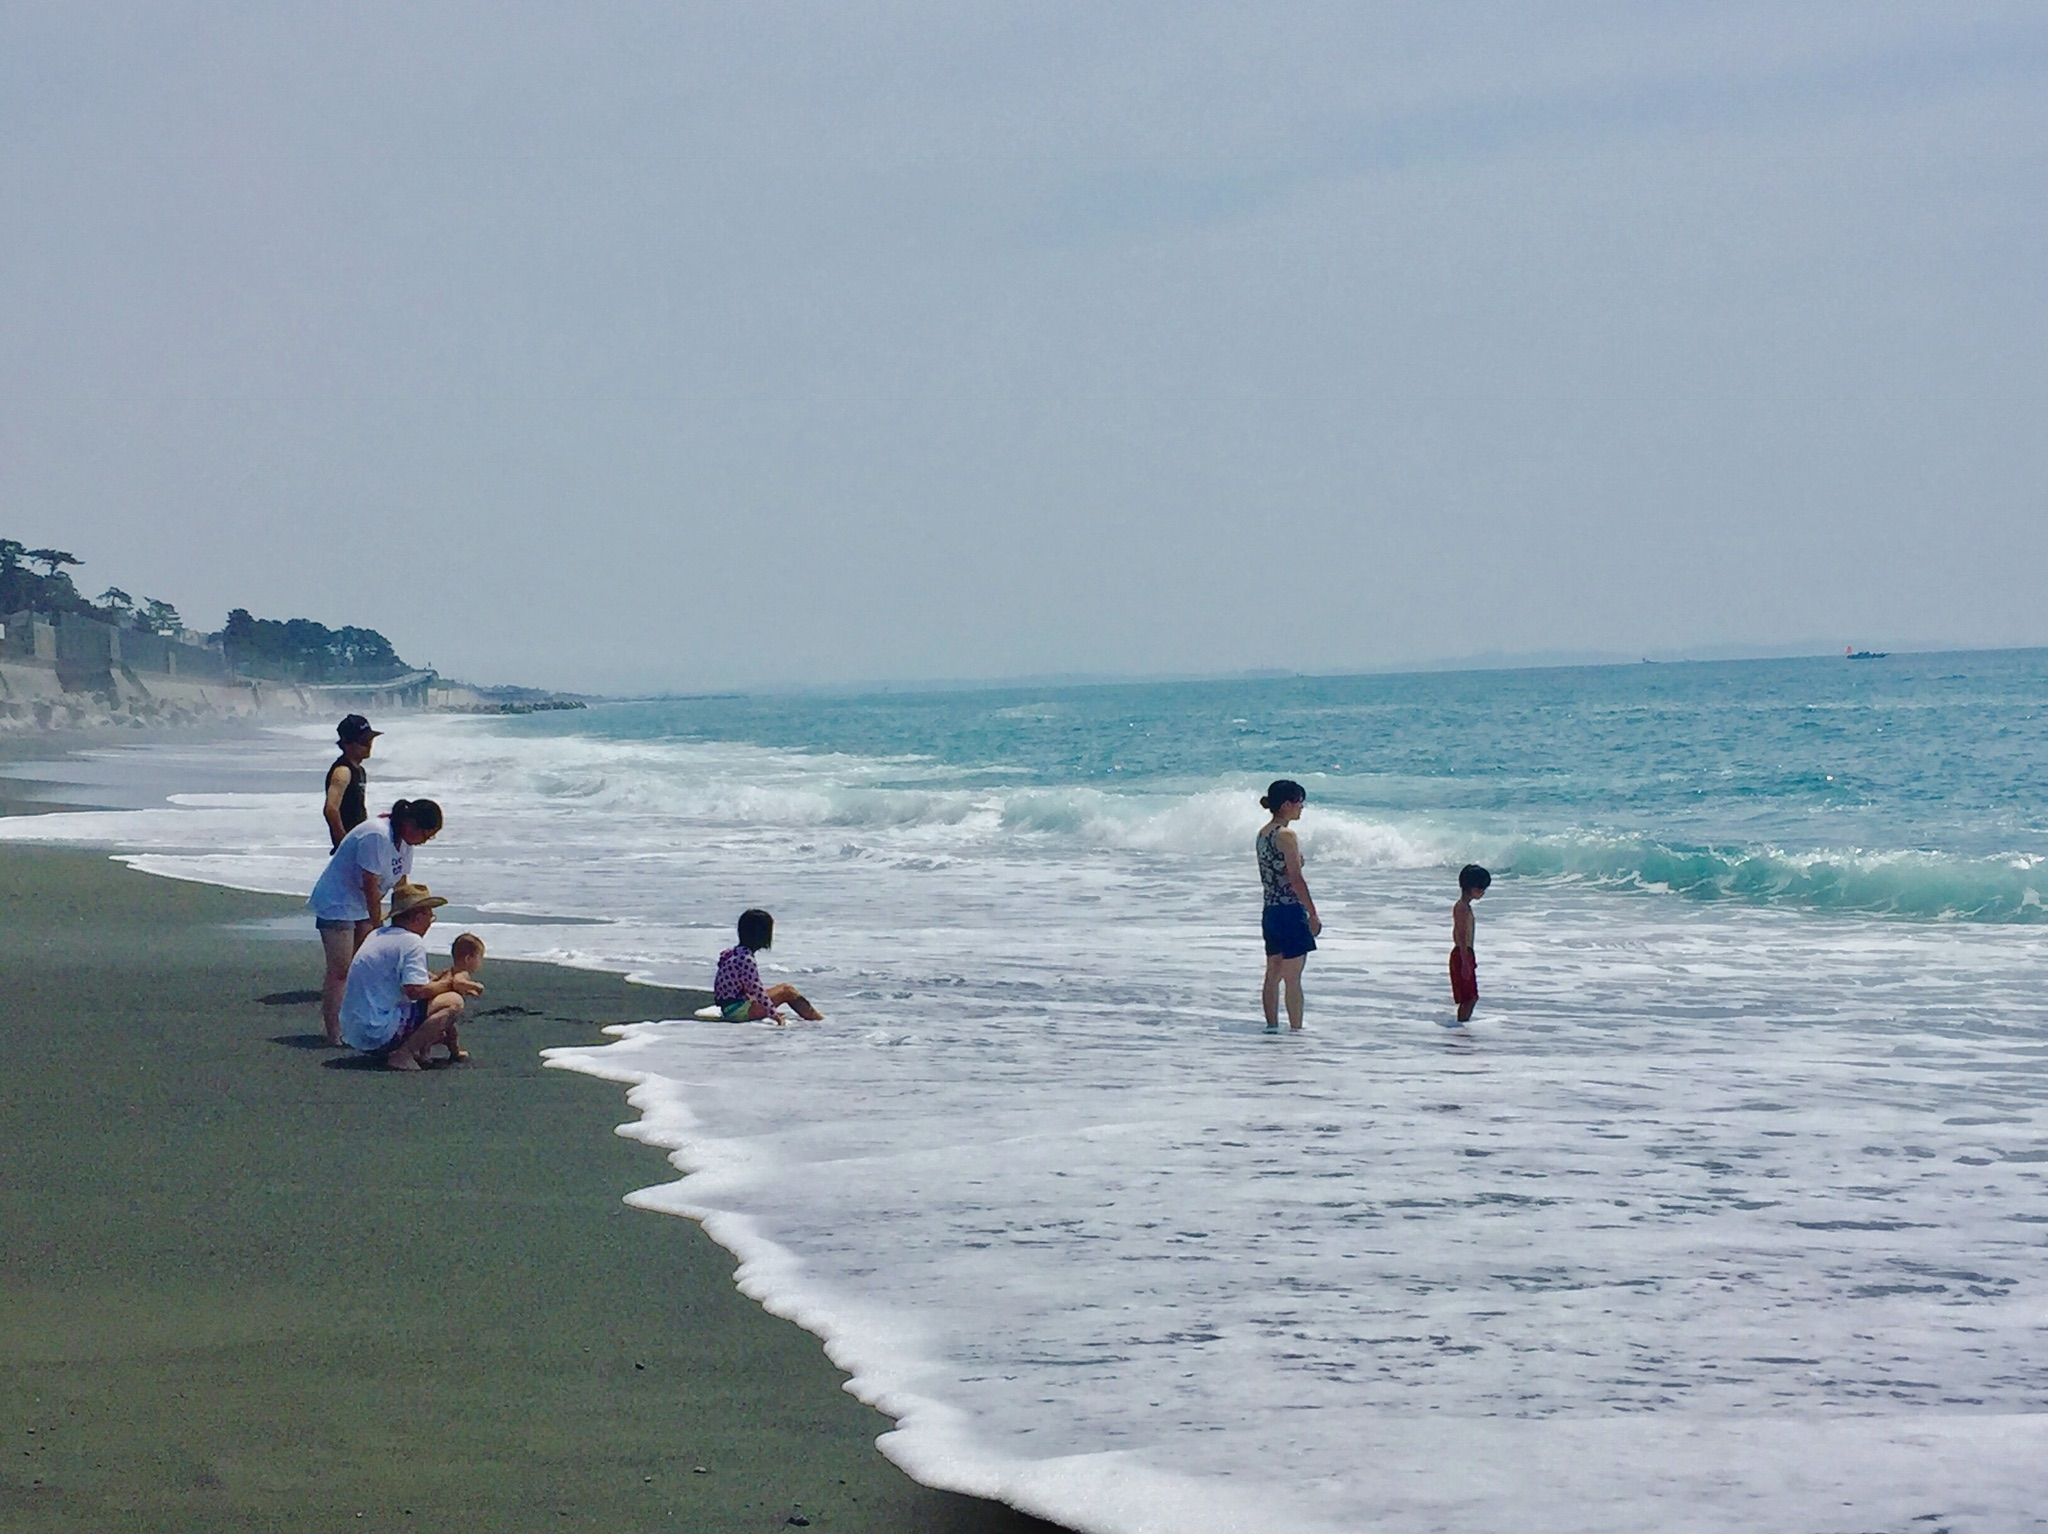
(415, 1014)
(741, 1009)
(1287, 934)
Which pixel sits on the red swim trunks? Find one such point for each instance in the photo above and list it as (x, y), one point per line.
(1464, 977)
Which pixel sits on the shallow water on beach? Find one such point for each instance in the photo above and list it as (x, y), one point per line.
(1728, 1212)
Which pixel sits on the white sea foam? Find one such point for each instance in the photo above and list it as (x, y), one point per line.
(1721, 1217)
(1719, 1222)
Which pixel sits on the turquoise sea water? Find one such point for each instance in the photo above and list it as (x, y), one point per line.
(1915, 785)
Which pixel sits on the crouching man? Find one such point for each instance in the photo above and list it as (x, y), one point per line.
(393, 1008)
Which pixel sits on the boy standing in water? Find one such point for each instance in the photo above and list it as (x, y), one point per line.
(1472, 885)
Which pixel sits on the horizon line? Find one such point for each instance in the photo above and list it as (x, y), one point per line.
(1480, 661)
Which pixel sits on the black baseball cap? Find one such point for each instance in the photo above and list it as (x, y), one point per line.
(355, 727)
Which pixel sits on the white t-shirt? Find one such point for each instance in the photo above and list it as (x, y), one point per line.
(373, 1007)
(369, 848)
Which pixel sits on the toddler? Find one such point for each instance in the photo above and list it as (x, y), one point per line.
(465, 957)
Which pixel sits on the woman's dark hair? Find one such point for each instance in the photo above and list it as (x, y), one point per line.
(420, 814)
(1283, 791)
(757, 930)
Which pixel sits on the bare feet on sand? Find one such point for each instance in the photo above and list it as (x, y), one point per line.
(398, 1061)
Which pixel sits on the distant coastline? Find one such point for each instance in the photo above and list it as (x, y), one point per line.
(45, 689)
(72, 664)
(35, 700)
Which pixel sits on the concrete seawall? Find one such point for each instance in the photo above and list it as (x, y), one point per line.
(33, 697)
(39, 695)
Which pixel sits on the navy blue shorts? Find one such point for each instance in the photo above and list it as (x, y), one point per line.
(1286, 929)
(409, 1024)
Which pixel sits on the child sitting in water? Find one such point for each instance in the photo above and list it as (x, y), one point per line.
(737, 987)
(465, 957)
(1472, 885)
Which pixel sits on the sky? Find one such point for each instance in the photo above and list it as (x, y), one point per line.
(669, 346)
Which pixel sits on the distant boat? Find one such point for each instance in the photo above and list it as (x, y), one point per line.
(1850, 652)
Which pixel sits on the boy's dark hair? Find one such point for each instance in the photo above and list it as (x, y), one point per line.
(420, 814)
(757, 930)
(1472, 877)
(467, 942)
(1283, 791)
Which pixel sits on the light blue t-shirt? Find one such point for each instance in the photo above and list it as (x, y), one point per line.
(373, 1007)
(368, 848)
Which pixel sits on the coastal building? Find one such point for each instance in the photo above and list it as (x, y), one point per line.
(28, 636)
(67, 670)
(86, 652)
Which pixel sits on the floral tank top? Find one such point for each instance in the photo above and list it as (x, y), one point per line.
(1273, 878)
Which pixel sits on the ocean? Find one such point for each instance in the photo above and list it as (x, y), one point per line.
(1730, 1210)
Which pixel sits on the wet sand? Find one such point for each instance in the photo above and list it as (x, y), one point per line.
(247, 1284)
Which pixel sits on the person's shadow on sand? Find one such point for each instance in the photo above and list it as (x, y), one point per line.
(342, 1061)
(353, 1062)
(294, 999)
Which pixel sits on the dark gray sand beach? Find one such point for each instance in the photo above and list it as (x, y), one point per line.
(250, 1285)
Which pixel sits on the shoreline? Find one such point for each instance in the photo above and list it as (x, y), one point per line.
(251, 1284)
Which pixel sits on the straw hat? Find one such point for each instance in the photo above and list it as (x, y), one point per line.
(408, 897)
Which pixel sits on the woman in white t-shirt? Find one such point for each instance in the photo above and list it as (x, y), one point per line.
(348, 900)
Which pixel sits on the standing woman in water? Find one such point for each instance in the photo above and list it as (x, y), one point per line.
(1290, 921)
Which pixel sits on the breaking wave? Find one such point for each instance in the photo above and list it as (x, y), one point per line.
(928, 804)
(1926, 885)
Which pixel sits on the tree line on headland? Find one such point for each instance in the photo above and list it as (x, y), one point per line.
(269, 649)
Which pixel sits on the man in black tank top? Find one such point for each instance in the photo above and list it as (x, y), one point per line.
(346, 779)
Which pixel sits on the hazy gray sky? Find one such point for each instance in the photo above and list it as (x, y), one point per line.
(634, 346)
